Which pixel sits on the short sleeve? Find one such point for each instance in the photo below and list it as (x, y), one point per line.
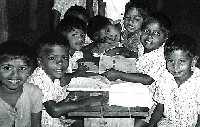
(198, 101)
(158, 95)
(37, 97)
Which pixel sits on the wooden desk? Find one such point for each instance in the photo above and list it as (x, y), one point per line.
(110, 111)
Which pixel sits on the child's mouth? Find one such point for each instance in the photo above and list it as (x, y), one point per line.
(14, 81)
(59, 70)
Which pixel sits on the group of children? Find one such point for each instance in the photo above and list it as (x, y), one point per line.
(33, 89)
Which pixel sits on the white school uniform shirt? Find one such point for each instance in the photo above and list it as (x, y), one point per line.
(181, 104)
(152, 63)
(51, 91)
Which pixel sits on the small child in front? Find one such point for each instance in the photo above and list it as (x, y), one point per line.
(20, 102)
(53, 60)
(178, 90)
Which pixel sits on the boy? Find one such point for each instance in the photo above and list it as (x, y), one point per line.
(53, 59)
(178, 90)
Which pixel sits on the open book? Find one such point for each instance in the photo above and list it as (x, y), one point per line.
(117, 62)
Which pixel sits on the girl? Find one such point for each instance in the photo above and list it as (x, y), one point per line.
(20, 102)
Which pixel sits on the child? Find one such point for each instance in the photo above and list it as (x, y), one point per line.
(53, 58)
(103, 34)
(135, 14)
(20, 102)
(74, 31)
(178, 89)
(150, 65)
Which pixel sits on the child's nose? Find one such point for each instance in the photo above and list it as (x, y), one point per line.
(14, 73)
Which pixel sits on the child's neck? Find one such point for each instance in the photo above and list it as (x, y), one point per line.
(71, 52)
(181, 80)
(5, 90)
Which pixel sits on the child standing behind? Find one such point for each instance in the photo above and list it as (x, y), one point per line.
(74, 30)
(20, 102)
(53, 59)
(103, 34)
(135, 14)
(178, 90)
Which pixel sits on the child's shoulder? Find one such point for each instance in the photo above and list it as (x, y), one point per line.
(32, 89)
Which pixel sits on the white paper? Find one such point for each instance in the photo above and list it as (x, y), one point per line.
(130, 95)
(93, 83)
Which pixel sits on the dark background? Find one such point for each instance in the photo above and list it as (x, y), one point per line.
(184, 15)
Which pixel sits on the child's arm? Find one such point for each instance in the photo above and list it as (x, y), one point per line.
(198, 121)
(61, 108)
(155, 117)
(36, 119)
(113, 75)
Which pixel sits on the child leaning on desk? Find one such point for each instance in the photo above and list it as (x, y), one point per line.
(53, 60)
(177, 92)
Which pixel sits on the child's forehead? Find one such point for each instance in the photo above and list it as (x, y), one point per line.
(134, 12)
(178, 53)
(153, 25)
(47, 49)
(13, 59)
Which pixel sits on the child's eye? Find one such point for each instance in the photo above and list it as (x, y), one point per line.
(6, 67)
(65, 57)
(146, 31)
(156, 33)
(51, 58)
(23, 68)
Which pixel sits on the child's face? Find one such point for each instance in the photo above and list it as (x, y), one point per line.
(110, 34)
(54, 60)
(76, 39)
(13, 73)
(179, 65)
(133, 20)
(152, 36)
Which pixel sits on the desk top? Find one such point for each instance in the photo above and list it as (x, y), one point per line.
(110, 111)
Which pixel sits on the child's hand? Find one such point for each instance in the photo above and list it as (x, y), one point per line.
(113, 52)
(94, 101)
(81, 70)
(112, 74)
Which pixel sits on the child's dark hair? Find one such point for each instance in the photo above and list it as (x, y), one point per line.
(180, 41)
(162, 19)
(18, 49)
(95, 24)
(69, 23)
(141, 7)
(50, 38)
(76, 10)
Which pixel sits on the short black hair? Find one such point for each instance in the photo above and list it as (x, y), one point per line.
(141, 7)
(50, 38)
(73, 10)
(18, 49)
(71, 22)
(161, 18)
(181, 41)
(96, 23)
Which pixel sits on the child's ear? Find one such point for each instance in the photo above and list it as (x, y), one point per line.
(194, 61)
(39, 61)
